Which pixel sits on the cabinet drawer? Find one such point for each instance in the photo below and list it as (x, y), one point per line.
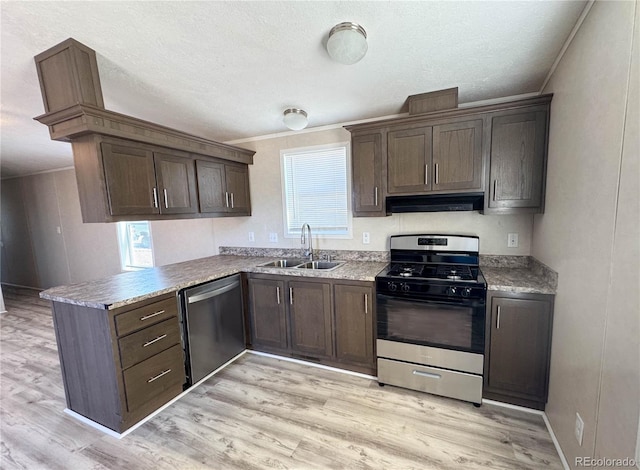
(449, 383)
(151, 314)
(145, 343)
(153, 377)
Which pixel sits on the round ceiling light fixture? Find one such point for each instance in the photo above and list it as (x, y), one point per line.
(347, 43)
(295, 119)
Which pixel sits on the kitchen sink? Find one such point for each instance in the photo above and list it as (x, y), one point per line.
(324, 265)
(284, 263)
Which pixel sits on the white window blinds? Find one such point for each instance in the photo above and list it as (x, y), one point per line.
(315, 190)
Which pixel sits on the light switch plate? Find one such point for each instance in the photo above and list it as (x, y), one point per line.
(252, 237)
(365, 238)
(512, 240)
(273, 237)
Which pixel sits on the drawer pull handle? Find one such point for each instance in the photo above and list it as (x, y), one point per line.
(146, 317)
(158, 376)
(366, 304)
(291, 295)
(498, 319)
(427, 374)
(154, 340)
(278, 294)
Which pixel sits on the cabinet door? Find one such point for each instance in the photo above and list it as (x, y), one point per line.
(518, 158)
(237, 179)
(409, 160)
(457, 156)
(176, 178)
(310, 317)
(366, 162)
(354, 323)
(268, 314)
(519, 348)
(211, 186)
(130, 180)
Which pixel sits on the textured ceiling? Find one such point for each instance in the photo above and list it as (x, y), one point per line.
(227, 70)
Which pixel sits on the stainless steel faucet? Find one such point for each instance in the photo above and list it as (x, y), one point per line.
(303, 239)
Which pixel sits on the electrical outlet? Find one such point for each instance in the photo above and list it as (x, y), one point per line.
(273, 237)
(365, 238)
(512, 240)
(252, 237)
(579, 430)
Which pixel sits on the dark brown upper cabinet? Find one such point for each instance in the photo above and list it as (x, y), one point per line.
(444, 157)
(223, 188)
(517, 161)
(497, 149)
(368, 191)
(141, 182)
(176, 178)
(457, 156)
(128, 168)
(130, 180)
(409, 160)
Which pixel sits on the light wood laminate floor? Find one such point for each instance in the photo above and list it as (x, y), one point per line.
(257, 413)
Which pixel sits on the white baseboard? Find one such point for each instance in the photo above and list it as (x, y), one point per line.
(565, 464)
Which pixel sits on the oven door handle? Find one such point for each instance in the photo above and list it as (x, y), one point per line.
(456, 302)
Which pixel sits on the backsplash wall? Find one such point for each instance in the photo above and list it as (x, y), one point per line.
(267, 211)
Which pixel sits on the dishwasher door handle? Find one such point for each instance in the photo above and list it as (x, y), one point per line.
(207, 295)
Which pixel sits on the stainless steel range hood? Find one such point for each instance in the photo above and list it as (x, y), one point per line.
(435, 203)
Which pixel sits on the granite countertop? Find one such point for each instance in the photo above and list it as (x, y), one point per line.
(131, 287)
(524, 275)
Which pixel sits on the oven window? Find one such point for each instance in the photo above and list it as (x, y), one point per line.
(437, 324)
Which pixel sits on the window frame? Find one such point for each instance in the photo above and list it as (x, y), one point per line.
(283, 152)
(125, 256)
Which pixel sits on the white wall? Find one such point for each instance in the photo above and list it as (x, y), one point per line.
(590, 235)
(267, 210)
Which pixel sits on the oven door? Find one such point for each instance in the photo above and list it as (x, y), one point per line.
(457, 324)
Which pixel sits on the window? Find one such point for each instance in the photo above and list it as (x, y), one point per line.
(136, 251)
(315, 190)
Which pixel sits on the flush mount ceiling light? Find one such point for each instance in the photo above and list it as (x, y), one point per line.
(295, 119)
(347, 43)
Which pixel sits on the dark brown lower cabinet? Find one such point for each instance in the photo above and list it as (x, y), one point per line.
(354, 322)
(269, 328)
(118, 366)
(321, 320)
(518, 348)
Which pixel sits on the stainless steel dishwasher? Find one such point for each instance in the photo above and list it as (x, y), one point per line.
(212, 325)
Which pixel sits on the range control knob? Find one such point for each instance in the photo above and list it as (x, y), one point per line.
(453, 291)
(404, 287)
(466, 292)
(392, 286)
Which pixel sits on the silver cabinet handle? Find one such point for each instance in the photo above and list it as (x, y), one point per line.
(426, 174)
(375, 196)
(232, 200)
(427, 374)
(148, 343)
(291, 295)
(158, 376)
(437, 173)
(226, 198)
(366, 304)
(166, 198)
(278, 294)
(495, 185)
(155, 198)
(146, 317)
(498, 319)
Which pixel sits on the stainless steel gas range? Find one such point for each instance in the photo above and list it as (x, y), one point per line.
(431, 316)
